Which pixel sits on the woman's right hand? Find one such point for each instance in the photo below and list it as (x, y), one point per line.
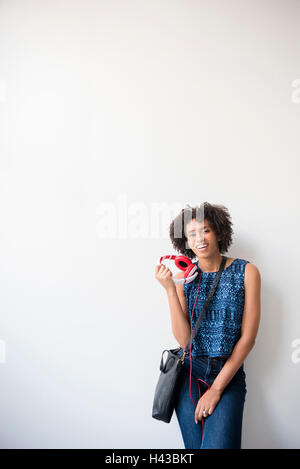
(164, 276)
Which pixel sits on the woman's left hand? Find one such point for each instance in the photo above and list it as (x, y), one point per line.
(207, 403)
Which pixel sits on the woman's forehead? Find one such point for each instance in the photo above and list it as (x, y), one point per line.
(195, 224)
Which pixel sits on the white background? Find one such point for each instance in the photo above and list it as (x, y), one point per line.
(152, 102)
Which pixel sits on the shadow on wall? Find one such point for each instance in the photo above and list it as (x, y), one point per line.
(260, 424)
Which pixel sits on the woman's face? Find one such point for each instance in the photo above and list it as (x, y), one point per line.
(199, 234)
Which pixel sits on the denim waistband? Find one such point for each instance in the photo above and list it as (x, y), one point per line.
(218, 359)
(206, 357)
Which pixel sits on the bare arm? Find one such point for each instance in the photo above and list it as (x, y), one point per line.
(249, 328)
(180, 321)
(177, 304)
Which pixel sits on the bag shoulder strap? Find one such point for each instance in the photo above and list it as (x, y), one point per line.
(210, 295)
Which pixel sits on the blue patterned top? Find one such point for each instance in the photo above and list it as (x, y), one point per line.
(220, 328)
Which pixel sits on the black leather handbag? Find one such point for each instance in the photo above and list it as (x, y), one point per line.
(167, 387)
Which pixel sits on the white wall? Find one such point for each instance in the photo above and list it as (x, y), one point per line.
(142, 105)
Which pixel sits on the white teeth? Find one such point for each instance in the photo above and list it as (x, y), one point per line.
(201, 246)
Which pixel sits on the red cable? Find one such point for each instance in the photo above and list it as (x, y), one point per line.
(202, 420)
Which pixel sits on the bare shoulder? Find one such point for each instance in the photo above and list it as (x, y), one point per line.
(252, 274)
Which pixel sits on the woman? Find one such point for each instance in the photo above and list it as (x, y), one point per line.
(210, 412)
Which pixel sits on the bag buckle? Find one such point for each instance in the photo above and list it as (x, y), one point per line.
(181, 359)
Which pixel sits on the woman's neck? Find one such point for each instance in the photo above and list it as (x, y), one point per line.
(211, 264)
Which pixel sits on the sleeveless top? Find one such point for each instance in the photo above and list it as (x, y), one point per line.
(220, 328)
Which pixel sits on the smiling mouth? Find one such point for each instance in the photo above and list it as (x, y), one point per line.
(201, 246)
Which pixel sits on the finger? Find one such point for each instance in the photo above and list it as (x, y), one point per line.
(210, 411)
(204, 413)
(196, 414)
(199, 415)
(165, 272)
(161, 270)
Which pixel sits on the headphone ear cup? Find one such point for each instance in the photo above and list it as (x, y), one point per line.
(188, 270)
(183, 262)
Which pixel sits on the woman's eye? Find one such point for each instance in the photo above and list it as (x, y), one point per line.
(194, 234)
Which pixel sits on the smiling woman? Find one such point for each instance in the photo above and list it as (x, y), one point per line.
(226, 334)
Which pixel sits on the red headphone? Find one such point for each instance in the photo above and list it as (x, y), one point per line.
(185, 264)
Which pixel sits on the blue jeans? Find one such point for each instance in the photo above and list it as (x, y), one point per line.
(223, 428)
